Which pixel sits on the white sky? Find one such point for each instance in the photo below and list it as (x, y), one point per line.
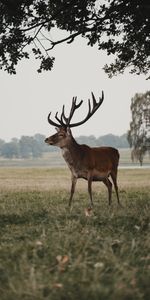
(28, 97)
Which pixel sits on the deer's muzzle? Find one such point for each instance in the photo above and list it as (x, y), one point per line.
(48, 141)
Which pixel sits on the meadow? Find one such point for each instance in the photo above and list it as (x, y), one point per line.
(50, 252)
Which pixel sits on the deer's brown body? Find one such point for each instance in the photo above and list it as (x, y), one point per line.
(92, 164)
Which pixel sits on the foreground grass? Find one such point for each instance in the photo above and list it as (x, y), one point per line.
(49, 252)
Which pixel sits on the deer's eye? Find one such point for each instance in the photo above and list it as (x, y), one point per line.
(61, 135)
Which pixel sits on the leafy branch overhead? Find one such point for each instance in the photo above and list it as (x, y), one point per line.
(121, 28)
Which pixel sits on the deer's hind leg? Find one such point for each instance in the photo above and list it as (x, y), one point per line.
(114, 179)
(108, 183)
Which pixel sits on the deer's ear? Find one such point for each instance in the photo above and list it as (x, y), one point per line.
(69, 131)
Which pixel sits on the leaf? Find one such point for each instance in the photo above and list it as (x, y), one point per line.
(39, 243)
(59, 258)
(58, 285)
(137, 227)
(88, 212)
(99, 265)
(65, 259)
(62, 261)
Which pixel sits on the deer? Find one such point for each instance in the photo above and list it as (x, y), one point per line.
(89, 163)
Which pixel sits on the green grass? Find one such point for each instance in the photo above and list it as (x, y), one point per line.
(49, 252)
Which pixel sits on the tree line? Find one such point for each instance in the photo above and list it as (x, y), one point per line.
(25, 147)
(34, 146)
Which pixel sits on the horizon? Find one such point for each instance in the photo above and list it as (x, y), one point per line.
(76, 137)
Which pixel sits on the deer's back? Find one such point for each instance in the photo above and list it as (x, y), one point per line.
(101, 158)
(105, 155)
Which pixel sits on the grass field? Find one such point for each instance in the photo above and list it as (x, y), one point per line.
(49, 252)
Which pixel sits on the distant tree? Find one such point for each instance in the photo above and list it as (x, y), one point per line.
(10, 150)
(124, 141)
(89, 140)
(139, 133)
(2, 142)
(36, 149)
(29, 147)
(117, 26)
(113, 141)
(40, 138)
(108, 140)
(25, 146)
(105, 140)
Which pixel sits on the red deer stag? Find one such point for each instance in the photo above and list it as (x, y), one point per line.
(92, 164)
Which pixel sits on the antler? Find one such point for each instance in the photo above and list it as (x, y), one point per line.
(73, 108)
(63, 121)
(52, 122)
(63, 118)
(96, 105)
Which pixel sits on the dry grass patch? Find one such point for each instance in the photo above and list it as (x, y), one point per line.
(47, 179)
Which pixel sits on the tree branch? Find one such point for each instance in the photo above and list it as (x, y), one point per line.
(34, 26)
(70, 38)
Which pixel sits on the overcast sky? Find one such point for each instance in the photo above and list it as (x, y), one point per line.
(28, 97)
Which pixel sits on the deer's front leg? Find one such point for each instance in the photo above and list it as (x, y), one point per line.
(73, 184)
(90, 190)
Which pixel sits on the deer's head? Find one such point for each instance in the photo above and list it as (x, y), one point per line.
(63, 124)
(61, 138)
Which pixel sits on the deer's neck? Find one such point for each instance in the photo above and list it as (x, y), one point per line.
(72, 153)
